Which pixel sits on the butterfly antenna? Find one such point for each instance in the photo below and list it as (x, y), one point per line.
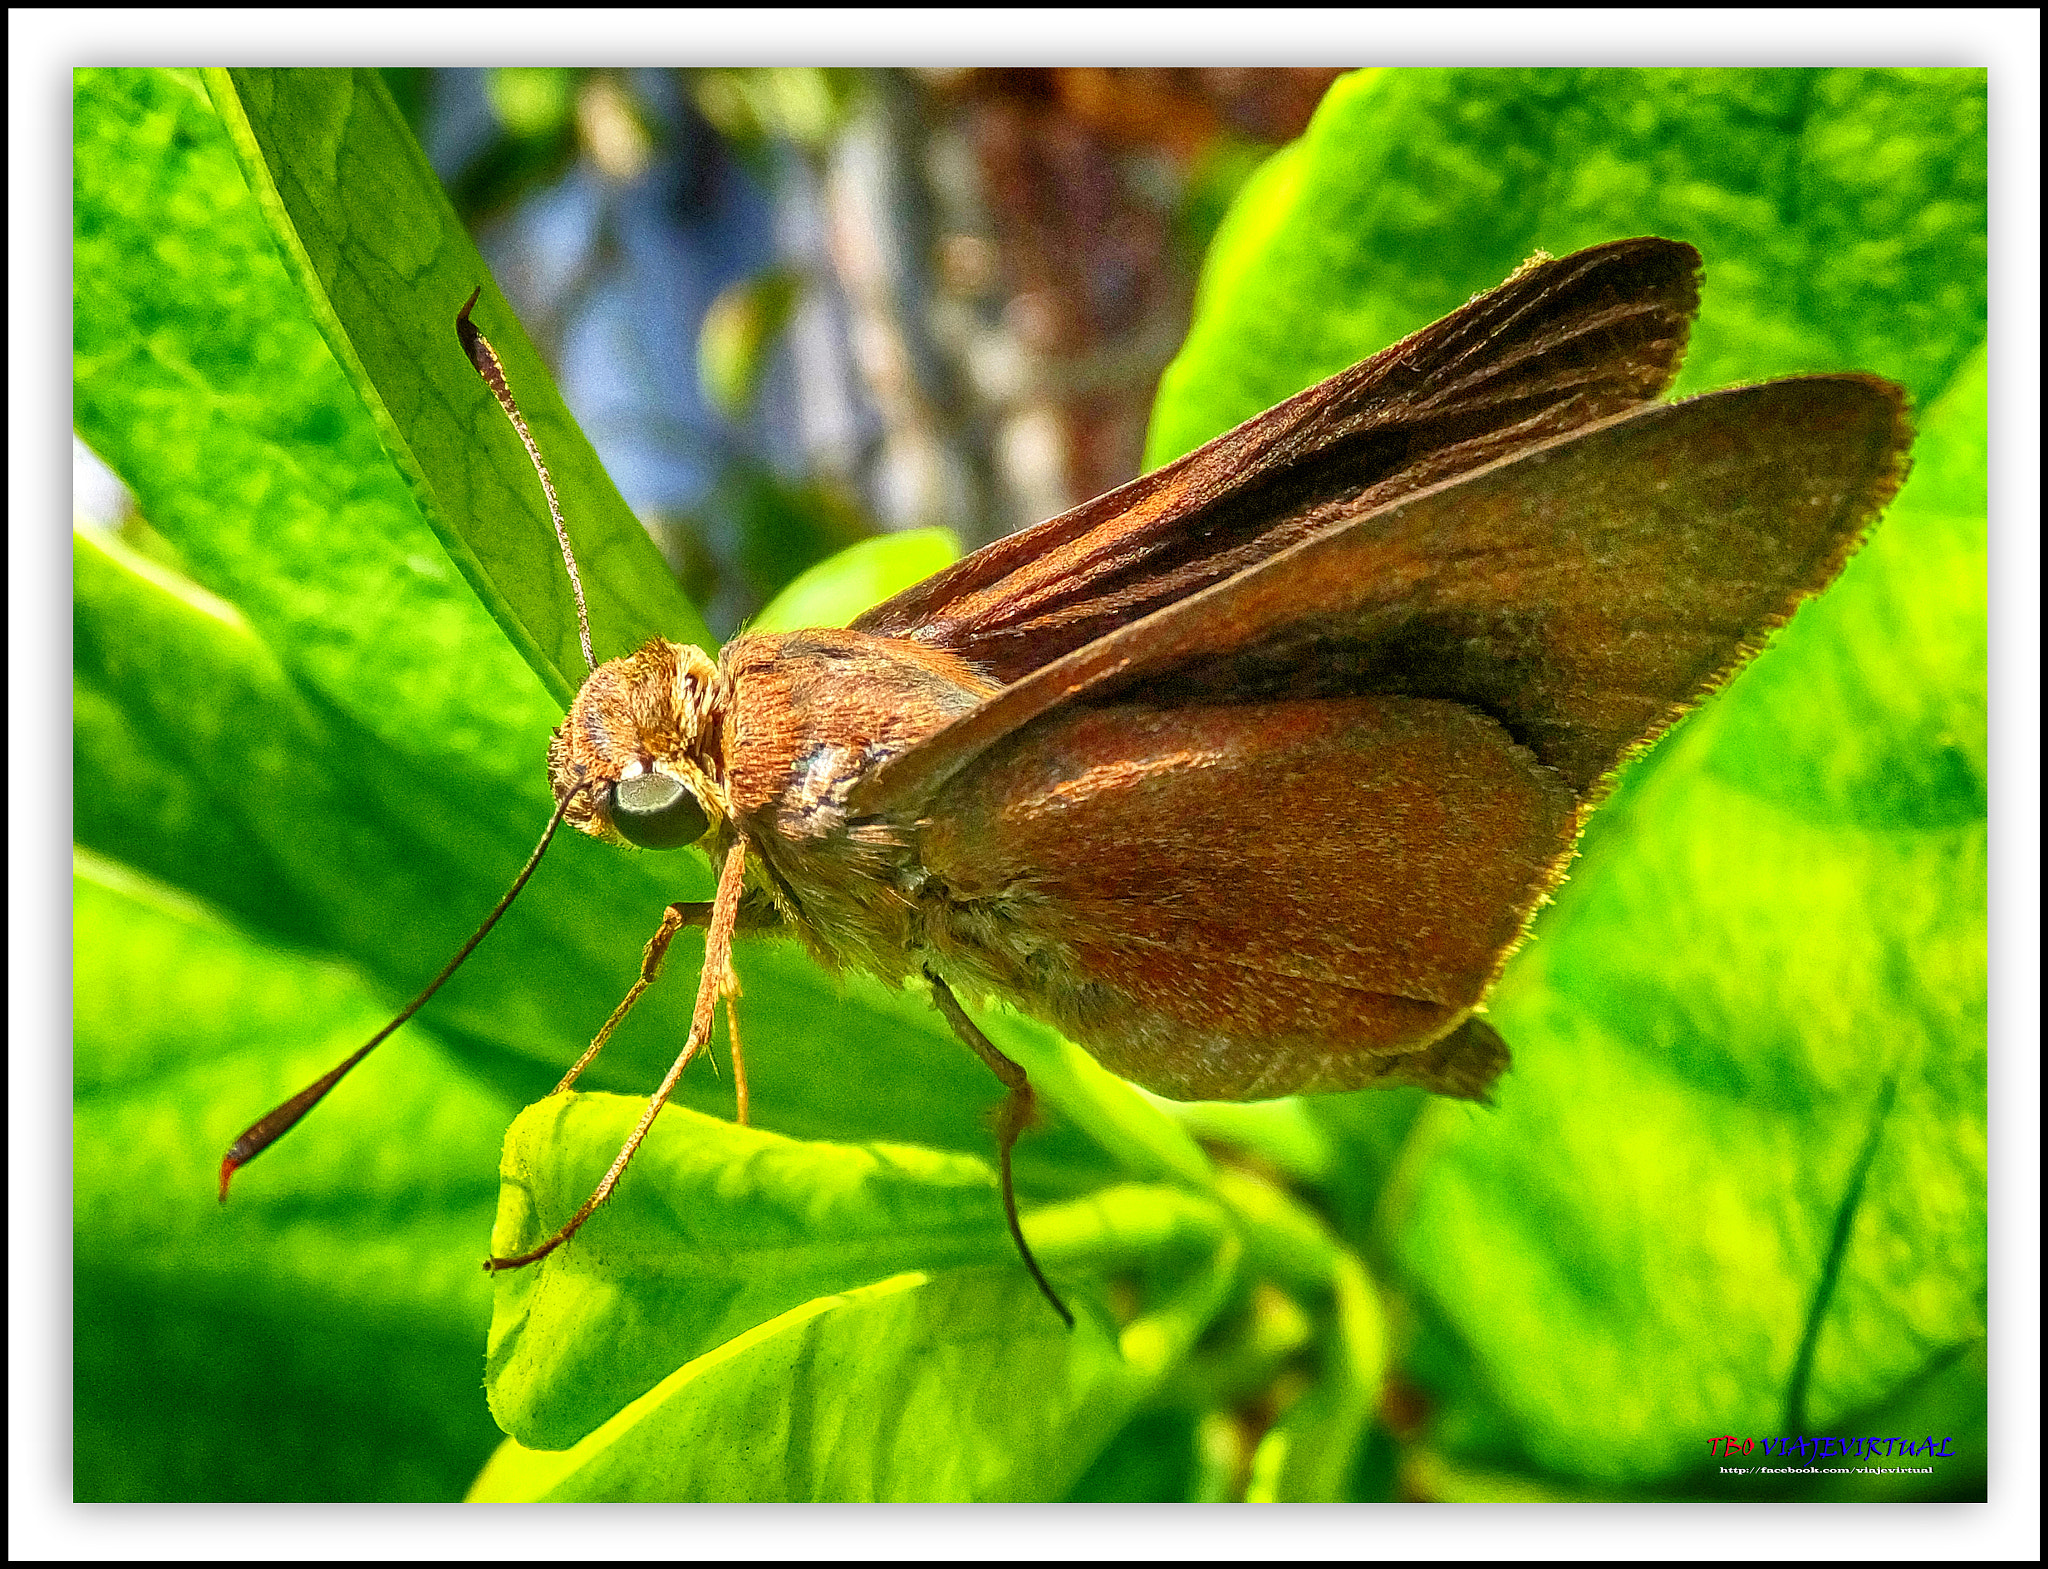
(267, 1130)
(485, 359)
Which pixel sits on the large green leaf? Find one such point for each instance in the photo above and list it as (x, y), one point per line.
(375, 246)
(307, 1343)
(959, 1387)
(1841, 215)
(737, 1226)
(1762, 993)
(1760, 1002)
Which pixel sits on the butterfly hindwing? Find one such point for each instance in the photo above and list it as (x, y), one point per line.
(1281, 897)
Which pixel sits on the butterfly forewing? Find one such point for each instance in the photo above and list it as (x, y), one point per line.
(1561, 344)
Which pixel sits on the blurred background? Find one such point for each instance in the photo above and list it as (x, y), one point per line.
(796, 307)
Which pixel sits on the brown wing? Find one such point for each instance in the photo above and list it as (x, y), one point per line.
(1244, 901)
(1559, 345)
(1581, 593)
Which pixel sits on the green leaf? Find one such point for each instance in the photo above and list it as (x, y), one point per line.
(1736, 1178)
(372, 240)
(202, 380)
(1308, 1454)
(833, 592)
(1414, 190)
(332, 1327)
(958, 1386)
(1728, 1055)
(740, 331)
(720, 1228)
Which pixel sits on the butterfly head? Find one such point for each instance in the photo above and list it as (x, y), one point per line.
(644, 741)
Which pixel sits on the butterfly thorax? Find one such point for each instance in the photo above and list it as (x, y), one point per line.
(811, 713)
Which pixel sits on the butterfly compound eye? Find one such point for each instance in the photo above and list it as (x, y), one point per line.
(656, 812)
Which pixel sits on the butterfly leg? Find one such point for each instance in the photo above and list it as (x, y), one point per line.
(673, 920)
(1012, 1118)
(717, 960)
(731, 991)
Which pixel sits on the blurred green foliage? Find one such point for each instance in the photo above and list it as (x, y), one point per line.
(739, 331)
(1735, 1183)
(802, 105)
